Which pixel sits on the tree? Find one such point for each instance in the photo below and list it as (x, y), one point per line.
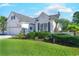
(56, 21)
(76, 17)
(3, 24)
(73, 28)
(64, 23)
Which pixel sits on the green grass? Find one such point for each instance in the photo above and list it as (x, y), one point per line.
(11, 47)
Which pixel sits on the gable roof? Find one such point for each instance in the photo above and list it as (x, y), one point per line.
(50, 16)
(43, 14)
(54, 16)
(23, 18)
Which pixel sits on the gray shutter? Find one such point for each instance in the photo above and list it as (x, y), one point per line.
(48, 26)
(38, 27)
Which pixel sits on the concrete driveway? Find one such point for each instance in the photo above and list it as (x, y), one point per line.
(5, 36)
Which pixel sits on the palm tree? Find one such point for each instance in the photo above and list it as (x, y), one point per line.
(73, 28)
(56, 28)
(57, 22)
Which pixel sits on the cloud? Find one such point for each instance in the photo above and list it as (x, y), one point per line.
(62, 8)
(58, 7)
(4, 4)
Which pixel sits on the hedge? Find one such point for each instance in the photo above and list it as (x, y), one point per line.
(39, 35)
(65, 39)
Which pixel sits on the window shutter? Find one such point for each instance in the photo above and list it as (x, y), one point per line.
(48, 26)
(38, 27)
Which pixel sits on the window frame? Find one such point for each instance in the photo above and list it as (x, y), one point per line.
(13, 17)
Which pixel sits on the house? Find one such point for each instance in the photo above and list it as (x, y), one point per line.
(17, 22)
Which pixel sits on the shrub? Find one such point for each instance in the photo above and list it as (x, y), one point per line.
(31, 35)
(39, 35)
(43, 35)
(20, 36)
(75, 39)
(65, 39)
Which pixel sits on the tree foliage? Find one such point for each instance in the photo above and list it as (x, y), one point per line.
(76, 17)
(73, 28)
(3, 23)
(64, 23)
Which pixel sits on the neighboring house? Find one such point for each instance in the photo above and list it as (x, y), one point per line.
(16, 22)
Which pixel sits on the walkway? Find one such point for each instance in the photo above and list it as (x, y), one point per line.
(5, 36)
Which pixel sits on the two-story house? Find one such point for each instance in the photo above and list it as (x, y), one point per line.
(16, 22)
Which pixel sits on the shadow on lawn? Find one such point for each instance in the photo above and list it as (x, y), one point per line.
(69, 45)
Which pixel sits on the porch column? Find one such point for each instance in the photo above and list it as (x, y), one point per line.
(36, 27)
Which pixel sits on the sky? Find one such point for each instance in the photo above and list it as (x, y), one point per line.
(34, 9)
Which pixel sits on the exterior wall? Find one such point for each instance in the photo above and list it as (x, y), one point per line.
(13, 26)
(36, 26)
(45, 19)
(42, 19)
(13, 31)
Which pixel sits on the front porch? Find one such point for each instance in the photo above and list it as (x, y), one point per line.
(37, 27)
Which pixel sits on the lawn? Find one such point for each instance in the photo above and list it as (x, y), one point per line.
(12, 47)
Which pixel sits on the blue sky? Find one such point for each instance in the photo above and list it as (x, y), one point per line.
(34, 9)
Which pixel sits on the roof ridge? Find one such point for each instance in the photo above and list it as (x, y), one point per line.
(22, 17)
(20, 14)
(43, 13)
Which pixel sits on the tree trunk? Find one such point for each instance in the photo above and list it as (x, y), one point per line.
(55, 30)
(3, 28)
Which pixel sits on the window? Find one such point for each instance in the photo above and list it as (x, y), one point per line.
(41, 27)
(12, 17)
(45, 26)
(30, 28)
